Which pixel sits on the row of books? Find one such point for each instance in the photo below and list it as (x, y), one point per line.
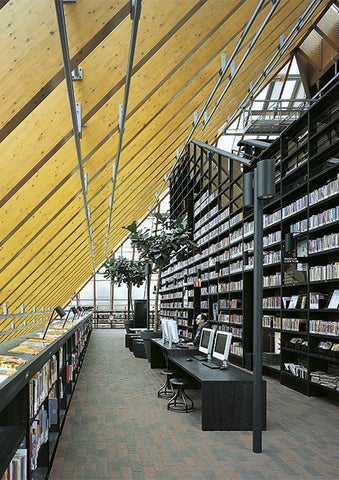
(232, 318)
(324, 218)
(301, 203)
(236, 332)
(38, 436)
(324, 272)
(272, 280)
(209, 236)
(295, 207)
(324, 327)
(236, 236)
(327, 242)
(331, 188)
(293, 324)
(17, 469)
(199, 224)
(248, 228)
(271, 302)
(315, 221)
(40, 385)
(272, 257)
(312, 198)
(271, 321)
(271, 218)
(230, 286)
(230, 303)
(236, 348)
(271, 238)
(204, 200)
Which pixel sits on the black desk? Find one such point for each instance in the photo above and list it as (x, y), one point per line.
(160, 352)
(226, 395)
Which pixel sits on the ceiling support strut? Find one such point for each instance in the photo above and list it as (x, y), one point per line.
(135, 16)
(75, 121)
(284, 44)
(224, 68)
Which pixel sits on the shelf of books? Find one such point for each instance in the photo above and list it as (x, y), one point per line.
(300, 259)
(37, 380)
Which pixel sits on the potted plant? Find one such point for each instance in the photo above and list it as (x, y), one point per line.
(130, 272)
(172, 236)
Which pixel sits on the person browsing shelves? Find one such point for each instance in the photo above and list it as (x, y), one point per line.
(201, 322)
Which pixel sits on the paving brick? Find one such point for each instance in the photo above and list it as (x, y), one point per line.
(117, 428)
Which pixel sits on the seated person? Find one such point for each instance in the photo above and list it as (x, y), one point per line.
(202, 322)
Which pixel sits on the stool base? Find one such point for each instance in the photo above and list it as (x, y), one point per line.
(180, 402)
(166, 390)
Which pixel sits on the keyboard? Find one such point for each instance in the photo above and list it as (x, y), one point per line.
(201, 358)
(210, 365)
(182, 345)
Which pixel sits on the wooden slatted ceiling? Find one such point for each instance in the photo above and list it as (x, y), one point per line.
(45, 254)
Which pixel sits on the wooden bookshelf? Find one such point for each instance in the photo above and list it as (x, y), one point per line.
(34, 401)
(299, 279)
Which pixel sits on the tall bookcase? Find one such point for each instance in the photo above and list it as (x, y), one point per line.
(34, 402)
(301, 251)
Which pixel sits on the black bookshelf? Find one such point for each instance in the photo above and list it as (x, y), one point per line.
(301, 251)
(34, 401)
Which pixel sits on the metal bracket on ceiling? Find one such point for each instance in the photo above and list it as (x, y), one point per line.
(195, 117)
(78, 113)
(85, 182)
(121, 118)
(223, 64)
(205, 117)
(232, 68)
(281, 41)
(77, 73)
(222, 72)
(75, 111)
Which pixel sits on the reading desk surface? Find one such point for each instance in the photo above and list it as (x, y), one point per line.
(161, 351)
(226, 395)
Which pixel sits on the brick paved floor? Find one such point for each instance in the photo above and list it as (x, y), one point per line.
(117, 429)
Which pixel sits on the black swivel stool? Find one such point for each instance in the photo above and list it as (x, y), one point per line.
(180, 402)
(166, 390)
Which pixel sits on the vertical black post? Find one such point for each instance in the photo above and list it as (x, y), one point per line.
(257, 319)
(148, 286)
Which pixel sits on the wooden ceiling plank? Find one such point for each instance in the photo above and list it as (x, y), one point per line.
(35, 39)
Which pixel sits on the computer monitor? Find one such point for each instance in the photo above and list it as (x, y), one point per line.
(206, 341)
(222, 346)
(165, 329)
(173, 331)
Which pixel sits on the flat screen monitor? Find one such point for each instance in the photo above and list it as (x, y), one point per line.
(173, 331)
(165, 329)
(222, 346)
(206, 341)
